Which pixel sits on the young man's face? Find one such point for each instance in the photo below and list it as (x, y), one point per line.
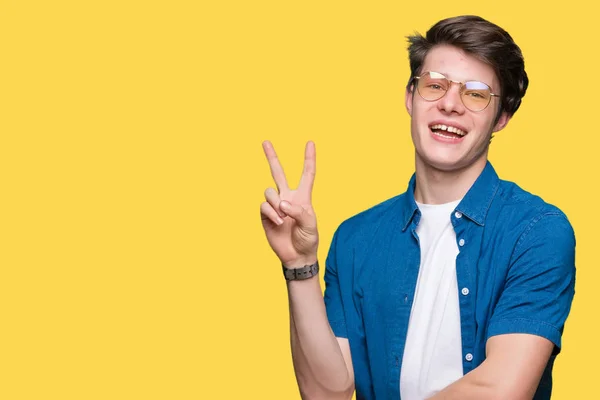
(444, 150)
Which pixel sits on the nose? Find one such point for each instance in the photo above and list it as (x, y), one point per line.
(451, 102)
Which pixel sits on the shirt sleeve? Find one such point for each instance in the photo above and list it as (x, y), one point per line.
(540, 283)
(333, 294)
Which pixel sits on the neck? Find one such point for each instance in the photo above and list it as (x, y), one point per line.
(435, 186)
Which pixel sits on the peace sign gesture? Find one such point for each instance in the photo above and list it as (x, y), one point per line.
(287, 215)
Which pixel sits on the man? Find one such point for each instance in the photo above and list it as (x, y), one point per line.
(458, 288)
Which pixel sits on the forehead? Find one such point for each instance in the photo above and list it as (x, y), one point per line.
(458, 65)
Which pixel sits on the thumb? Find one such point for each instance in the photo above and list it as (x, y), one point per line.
(298, 213)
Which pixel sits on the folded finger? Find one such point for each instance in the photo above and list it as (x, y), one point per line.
(273, 199)
(267, 212)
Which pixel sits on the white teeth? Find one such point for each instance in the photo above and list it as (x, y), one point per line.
(444, 136)
(448, 129)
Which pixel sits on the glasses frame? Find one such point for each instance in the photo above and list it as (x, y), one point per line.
(462, 86)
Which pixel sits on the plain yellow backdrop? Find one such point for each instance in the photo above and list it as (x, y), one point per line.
(132, 259)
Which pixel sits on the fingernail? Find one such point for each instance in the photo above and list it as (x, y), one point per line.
(279, 221)
(284, 205)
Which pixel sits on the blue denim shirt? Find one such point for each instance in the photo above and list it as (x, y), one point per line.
(515, 272)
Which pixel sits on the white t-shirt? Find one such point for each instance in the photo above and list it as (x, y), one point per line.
(432, 356)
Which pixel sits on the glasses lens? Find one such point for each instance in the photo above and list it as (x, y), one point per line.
(476, 95)
(432, 86)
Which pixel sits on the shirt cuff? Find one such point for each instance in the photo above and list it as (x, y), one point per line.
(529, 326)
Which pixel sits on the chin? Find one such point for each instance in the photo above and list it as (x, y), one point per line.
(444, 165)
(448, 158)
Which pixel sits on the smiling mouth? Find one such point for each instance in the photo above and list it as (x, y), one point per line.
(448, 132)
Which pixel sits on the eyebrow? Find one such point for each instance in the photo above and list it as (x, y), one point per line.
(468, 80)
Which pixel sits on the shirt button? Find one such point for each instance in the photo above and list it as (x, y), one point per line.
(458, 214)
(461, 242)
(465, 291)
(469, 357)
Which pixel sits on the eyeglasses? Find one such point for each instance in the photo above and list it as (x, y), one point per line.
(476, 96)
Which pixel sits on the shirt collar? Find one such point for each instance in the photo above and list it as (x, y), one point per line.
(409, 205)
(474, 205)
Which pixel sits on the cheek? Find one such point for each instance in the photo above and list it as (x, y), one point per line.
(486, 121)
(421, 111)
(482, 125)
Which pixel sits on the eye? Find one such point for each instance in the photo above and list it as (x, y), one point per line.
(436, 84)
(476, 95)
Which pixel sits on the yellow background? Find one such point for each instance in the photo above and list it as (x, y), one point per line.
(132, 259)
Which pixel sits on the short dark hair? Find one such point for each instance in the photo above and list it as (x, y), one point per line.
(486, 42)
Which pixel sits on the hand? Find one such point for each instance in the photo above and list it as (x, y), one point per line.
(287, 216)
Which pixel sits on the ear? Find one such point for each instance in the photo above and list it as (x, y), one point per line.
(408, 98)
(502, 122)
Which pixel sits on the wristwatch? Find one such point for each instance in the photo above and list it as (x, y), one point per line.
(299, 274)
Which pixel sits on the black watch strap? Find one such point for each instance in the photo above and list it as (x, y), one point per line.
(298, 274)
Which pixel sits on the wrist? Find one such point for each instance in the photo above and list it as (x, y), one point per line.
(300, 262)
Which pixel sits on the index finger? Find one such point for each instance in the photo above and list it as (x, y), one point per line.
(276, 169)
